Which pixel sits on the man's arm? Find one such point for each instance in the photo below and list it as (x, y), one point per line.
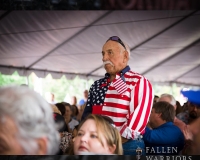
(88, 107)
(162, 136)
(140, 109)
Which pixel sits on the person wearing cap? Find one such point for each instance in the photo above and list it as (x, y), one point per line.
(193, 111)
(192, 147)
(123, 95)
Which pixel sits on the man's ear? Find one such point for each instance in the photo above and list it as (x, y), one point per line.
(112, 149)
(159, 114)
(42, 146)
(126, 56)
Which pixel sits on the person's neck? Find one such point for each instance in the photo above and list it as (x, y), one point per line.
(161, 122)
(67, 120)
(112, 77)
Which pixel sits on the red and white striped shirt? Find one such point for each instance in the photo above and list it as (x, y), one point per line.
(129, 106)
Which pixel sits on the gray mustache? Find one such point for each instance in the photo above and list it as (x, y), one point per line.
(107, 62)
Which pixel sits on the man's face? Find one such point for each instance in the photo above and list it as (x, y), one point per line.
(9, 143)
(153, 118)
(194, 111)
(115, 53)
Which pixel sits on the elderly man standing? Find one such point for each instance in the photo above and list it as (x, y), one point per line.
(27, 126)
(123, 95)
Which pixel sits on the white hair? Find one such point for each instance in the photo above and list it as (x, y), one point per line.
(33, 117)
(173, 101)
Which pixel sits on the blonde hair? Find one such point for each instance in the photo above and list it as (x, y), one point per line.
(106, 128)
(55, 109)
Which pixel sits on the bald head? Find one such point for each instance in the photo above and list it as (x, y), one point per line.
(168, 98)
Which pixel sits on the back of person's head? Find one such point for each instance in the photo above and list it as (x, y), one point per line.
(168, 98)
(155, 98)
(166, 109)
(61, 108)
(59, 119)
(55, 109)
(178, 107)
(106, 128)
(32, 116)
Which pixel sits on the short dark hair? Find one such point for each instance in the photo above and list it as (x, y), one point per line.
(155, 96)
(61, 108)
(74, 109)
(67, 104)
(166, 109)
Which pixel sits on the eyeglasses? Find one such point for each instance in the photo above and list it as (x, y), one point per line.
(117, 39)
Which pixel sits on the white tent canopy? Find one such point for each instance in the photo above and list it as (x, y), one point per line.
(165, 45)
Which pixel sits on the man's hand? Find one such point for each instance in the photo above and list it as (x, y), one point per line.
(187, 133)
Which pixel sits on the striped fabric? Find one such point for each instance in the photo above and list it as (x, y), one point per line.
(129, 107)
(131, 110)
(120, 85)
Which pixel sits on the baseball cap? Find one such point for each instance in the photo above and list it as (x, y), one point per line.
(192, 96)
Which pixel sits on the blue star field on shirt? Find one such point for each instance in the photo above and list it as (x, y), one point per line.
(100, 88)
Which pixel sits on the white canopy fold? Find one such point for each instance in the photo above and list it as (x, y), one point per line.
(164, 45)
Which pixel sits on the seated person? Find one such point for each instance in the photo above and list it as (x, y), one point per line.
(68, 117)
(97, 135)
(59, 119)
(164, 138)
(183, 127)
(192, 147)
(75, 112)
(65, 136)
(27, 126)
(75, 131)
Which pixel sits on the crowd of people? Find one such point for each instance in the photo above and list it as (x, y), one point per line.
(119, 115)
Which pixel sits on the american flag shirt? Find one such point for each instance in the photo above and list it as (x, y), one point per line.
(128, 100)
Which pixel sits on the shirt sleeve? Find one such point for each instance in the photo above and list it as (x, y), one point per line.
(163, 136)
(139, 110)
(88, 107)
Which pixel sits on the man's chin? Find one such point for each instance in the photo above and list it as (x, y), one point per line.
(108, 69)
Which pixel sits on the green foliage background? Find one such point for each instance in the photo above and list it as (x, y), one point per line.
(60, 87)
(14, 79)
(64, 88)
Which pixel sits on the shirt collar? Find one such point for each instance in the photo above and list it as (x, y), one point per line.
(126, 69)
